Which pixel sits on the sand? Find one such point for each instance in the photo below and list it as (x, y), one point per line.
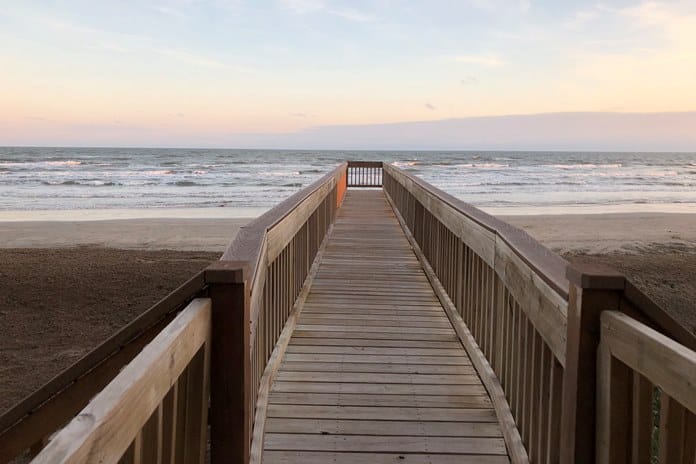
(134, 234)
(65, 286)
(610, 233)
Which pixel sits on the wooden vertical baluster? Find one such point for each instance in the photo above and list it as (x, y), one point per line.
(519, 368)
(151, 438)
(553, 449)
(505, 342)
(689, 441)
(614, 415)
(672, 425)
(129, 457)
(541, 431)
(535, 412)
(196, 409)
(525, 375)
(514, 350)
(169, 404)
(179, 434)
(642, 419)
(459, 277)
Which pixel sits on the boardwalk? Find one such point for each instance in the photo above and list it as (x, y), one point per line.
(322, 336)
(374, 371)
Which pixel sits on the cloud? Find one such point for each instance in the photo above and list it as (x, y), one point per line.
(168, 11)
(320, 6)
(490, 61)
(581, 18)
(303, 6)
(501, 5)
(351, 15)
(195, 59)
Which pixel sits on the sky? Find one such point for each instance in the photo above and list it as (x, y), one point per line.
(221, 72)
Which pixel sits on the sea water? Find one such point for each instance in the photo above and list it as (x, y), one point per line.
(149, 181)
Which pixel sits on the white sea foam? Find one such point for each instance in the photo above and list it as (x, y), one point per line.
(587, 166)
(74, 178)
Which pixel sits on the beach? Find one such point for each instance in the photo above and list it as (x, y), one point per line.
(65, 286)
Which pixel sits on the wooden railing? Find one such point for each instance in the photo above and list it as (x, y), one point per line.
(26, 427)
(529, 320)
(532, 318)
(155, 409)
(254, 287)
(639, 368)
(364, 174)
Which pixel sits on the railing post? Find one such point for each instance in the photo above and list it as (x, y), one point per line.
(230, 373)
(593, 289)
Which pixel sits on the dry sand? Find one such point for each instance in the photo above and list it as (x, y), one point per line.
(610, 233)
(134, 234)
(66, 286)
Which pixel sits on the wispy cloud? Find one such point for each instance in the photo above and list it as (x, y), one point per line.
(351, 15)
(480, 60)
(169, 11)
(321, 6)
(302, 6)
(504, 5)
(192, 58)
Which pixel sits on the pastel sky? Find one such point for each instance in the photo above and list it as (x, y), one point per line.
(138, 72)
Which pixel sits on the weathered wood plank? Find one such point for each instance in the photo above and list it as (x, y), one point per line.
(377, 367)
(314, 457)
(406, 401)
(384, 427)
(376, 350)
(362, 377)
(375, 444)
(367, 342)
(115, 416)
(382, 413)
(357, 358)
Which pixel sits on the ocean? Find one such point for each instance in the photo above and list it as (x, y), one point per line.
(247, 182)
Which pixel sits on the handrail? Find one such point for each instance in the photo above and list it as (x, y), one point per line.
(549, 266)
(254, 287)
(40, 414)
(167, 379)
(364, 174)
(534, 316)
(635, 365)
(509, 295)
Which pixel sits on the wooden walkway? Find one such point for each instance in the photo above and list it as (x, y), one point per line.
(374, 372)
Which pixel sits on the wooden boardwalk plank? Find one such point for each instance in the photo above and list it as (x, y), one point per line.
(382, 413)
(404, 401)
(311, 457)
(376, 444)
(384, 427)
(374, 371)
(377, 367)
